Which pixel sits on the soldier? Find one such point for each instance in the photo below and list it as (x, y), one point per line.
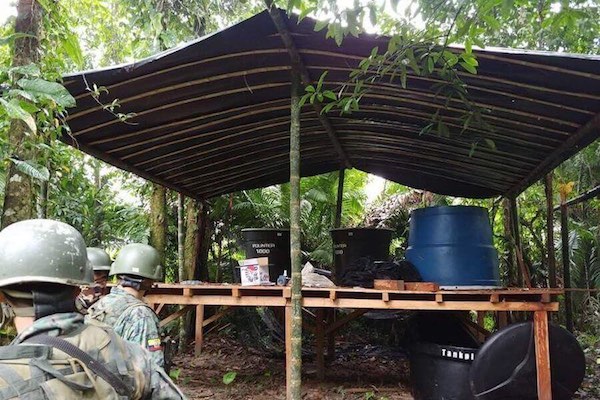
(137, 267)
(100, 261)
(55, 355)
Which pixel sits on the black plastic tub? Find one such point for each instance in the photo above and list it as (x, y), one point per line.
(440, 371)
(271, 243)
(350, 244)
(440, 354)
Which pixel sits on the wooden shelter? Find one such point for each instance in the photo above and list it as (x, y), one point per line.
(213, 117)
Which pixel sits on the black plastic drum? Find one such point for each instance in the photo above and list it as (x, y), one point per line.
(504, 368)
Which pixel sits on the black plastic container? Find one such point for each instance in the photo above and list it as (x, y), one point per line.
(350, 244)
(271, 243)
(441, 355)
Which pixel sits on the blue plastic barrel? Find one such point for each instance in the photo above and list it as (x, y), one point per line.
(453, 246)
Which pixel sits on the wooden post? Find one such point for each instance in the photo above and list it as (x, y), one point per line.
(510, 263)
(199, 326)
(542, 355)
(295, 380)
(564, 233)
(340, 198)
(550, 231)
(481, 323)
(320, 343)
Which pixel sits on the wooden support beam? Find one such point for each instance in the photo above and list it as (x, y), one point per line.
(575, 142)
(179, 313)
(524, 277)
(217, 316)
(199, 332)
(344, 320)
(564, 233)
(542, 355)
(306, 79)
(331, 318)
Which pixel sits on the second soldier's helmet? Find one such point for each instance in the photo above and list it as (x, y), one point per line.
(138, 260)
(42, 251)
(99, 259)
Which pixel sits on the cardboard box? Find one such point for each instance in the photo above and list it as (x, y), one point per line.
(254, 271)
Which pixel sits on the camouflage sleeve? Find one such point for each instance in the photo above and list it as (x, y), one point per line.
(140, 325)
(163, 387)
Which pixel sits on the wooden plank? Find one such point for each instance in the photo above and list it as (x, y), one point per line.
(344, 320)
(388, 284)
(179, 313)
(199, 332)
(502, 319)
(320, 343)
(187, 292)
(219, 300)
(542, 355)
(331, 318)
(480, 323)
(422, 286)
(439, 298)
(494, 298)
(332, 295)
(158, 309)
(385, 296)
(217, 316)
(235, 292)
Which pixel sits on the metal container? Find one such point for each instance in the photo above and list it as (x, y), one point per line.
(350, 244)
(271, 243)
(453, 246)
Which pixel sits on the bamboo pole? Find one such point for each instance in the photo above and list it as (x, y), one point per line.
(294, 391)
(550, 231)
(564, 233)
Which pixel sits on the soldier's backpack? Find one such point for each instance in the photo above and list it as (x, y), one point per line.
(56, 368)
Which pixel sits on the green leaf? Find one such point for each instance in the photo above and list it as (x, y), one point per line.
(73, 50)
(490, 143)
(469, 67)
(32, 169)
(430, 64)
(17, 35)
(15, 111)
(320, 25)
(310, 89)
(329, 95)
(29, 70)
(303, 100)
(473, 147)
(229, 377)
(305, 12)
(174, 373)
(321, 79)
(48, 90)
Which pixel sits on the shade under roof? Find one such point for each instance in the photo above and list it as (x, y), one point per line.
(212, 117)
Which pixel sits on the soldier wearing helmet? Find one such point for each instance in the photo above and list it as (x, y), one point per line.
(55, 355)
(100, 261)
(137, 267)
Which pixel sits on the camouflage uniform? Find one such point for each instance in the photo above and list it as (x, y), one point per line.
(131, 318)
(133, 363)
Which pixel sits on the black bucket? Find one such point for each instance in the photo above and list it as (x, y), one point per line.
(440, 357)
(350, 244)
(271, 243)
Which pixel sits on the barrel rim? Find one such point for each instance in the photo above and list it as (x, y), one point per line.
(265, 230)
(361, 229)
(447, 209)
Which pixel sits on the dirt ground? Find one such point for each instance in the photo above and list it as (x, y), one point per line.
(359, 372)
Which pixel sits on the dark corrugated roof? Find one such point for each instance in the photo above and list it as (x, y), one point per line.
(213, 116)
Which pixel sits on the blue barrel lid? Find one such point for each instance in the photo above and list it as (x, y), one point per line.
(444, 210)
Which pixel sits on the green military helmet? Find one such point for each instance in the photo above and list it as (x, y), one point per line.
(99, 259)
(139, 260)
(43, 250)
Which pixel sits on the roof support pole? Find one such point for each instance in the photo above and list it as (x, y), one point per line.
(340, 198)
(294, 334)
(296, 61)
(550, 231)
(564, 233)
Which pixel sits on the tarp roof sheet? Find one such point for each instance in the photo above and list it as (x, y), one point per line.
(212, 117)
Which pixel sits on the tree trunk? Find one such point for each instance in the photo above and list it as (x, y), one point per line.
(189, 247)
(180, 238)
(202, 244)
(19, 190)
(294, 390)
(158, 219)
(510, 263)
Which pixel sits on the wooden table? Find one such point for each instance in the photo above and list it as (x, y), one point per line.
(538, 301)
